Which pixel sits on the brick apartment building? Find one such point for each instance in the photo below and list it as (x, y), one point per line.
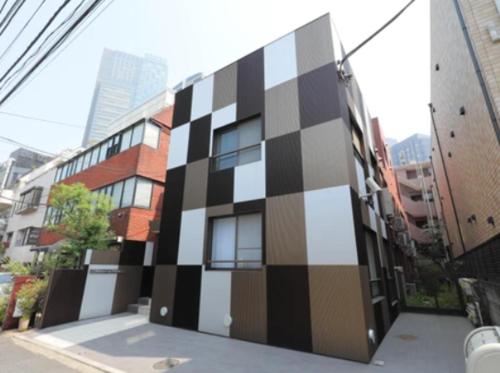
(129, 166)
(269, 232)
(465, 107)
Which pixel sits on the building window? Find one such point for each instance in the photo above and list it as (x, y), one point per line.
(128, 193)
(237, 144)
(143, 191)
(142, 133)
(236, 242)
(21, 237)
(411, 174)
(29, 200)
(151, 135)
(117, 194)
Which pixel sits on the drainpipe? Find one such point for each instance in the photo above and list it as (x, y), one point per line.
(431, 108)
(487, 98)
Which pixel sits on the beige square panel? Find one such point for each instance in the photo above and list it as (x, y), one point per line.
(338, 312)
(314, 45)
(225, 87)
(282, 109)
(249, 306)
(195, 186)
(326, 155)
(286, 230)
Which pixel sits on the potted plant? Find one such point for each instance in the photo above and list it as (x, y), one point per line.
(29, 301)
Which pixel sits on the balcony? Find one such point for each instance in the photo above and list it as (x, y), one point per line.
(414, 208)
(418, 234)
(6, 197)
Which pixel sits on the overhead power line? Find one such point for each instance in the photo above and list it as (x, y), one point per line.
(37, 37)
(42, 45)
(22, 29)
(348, 55)
(95, 4)
(10, 15)
(14, 142)
(63, 48)
(41, 119)
(3, 6)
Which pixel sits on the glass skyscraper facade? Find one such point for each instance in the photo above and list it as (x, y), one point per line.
(124, 82)
(414, 149)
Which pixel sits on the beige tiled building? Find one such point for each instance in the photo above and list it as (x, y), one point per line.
(465, 94)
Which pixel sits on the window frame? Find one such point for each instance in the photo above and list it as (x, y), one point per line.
(231, 127)
(209, 242)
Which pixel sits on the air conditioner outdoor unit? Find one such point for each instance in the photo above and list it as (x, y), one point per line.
(388, 203)
(399, 224)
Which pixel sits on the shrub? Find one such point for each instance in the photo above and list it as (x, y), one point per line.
(17, 268)
(30, 297)
(4, 302)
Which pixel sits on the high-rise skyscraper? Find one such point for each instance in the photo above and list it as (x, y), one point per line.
(124, 82)
(413, 149)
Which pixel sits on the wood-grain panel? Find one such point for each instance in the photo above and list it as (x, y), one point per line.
(250, 85)
(249, 306)
(286, 230)
(163, 294)
(127, 287)
(338, 312)
(182, 109)
(225, 87)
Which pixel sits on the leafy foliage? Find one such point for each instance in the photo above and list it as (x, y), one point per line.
(17, 268)
(30, 296)
(4, 302)
(3, 249)
(84, 223)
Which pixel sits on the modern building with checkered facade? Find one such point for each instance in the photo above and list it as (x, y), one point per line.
(267, 233)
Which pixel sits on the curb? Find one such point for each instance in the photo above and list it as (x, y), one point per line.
(70, 355)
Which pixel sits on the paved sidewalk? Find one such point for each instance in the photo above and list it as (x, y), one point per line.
(416, 343)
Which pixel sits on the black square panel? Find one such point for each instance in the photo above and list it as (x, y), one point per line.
(182, 108)
(170, 226)
(319, 96)
(199, 139)
(187, 297)
(284, 165)
(220, 187)
(288, 308)
(250, 85)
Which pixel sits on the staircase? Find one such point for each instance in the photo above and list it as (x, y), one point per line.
(142, 306)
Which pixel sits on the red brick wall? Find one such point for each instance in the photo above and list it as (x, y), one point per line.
(141, 160)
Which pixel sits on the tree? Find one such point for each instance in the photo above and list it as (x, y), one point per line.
(84, 222)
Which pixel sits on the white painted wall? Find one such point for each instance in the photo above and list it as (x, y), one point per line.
(215, 302)
(99, 292)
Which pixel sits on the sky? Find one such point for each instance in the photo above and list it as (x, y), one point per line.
(205, 35)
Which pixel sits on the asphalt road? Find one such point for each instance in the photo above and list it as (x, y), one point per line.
(15, 359)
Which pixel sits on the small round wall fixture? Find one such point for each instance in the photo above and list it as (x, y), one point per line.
(228, 320)
(163, 311)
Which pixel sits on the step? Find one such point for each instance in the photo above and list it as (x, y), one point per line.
(140, 309)
(146, 301)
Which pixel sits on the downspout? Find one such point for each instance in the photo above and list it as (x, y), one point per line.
(488, 100)
(431, 108)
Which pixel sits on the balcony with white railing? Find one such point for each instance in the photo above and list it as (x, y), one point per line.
(6, 199)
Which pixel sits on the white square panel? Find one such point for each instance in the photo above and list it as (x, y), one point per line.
(148, 253)
(330, 227)
(178, 150)
(373, 218)
(215, 302)
(99, 291)
(192, 237)
(250, 179)
(384, 230)
(280, 61)
(221, 118)
(202, 97)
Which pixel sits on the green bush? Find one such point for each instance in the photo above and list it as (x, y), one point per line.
(30, 296)
(17, 268)
(4, 302)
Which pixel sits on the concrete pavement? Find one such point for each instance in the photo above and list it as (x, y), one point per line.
(416, 343)
(15, 358)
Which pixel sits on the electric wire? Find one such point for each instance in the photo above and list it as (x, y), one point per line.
(14, 142)
(16, 7)
(3, 6)
(37, 37)
(42, 44)
(54, 48)
(362, 44)
(22, 30)
(41, 119)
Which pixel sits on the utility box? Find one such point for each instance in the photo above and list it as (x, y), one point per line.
(482, 350)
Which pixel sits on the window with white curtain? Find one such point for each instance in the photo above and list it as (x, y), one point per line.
(237, 144)
(143, 190)
(137, 135)
(151, 135)
(128, 192)
(237, 242)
